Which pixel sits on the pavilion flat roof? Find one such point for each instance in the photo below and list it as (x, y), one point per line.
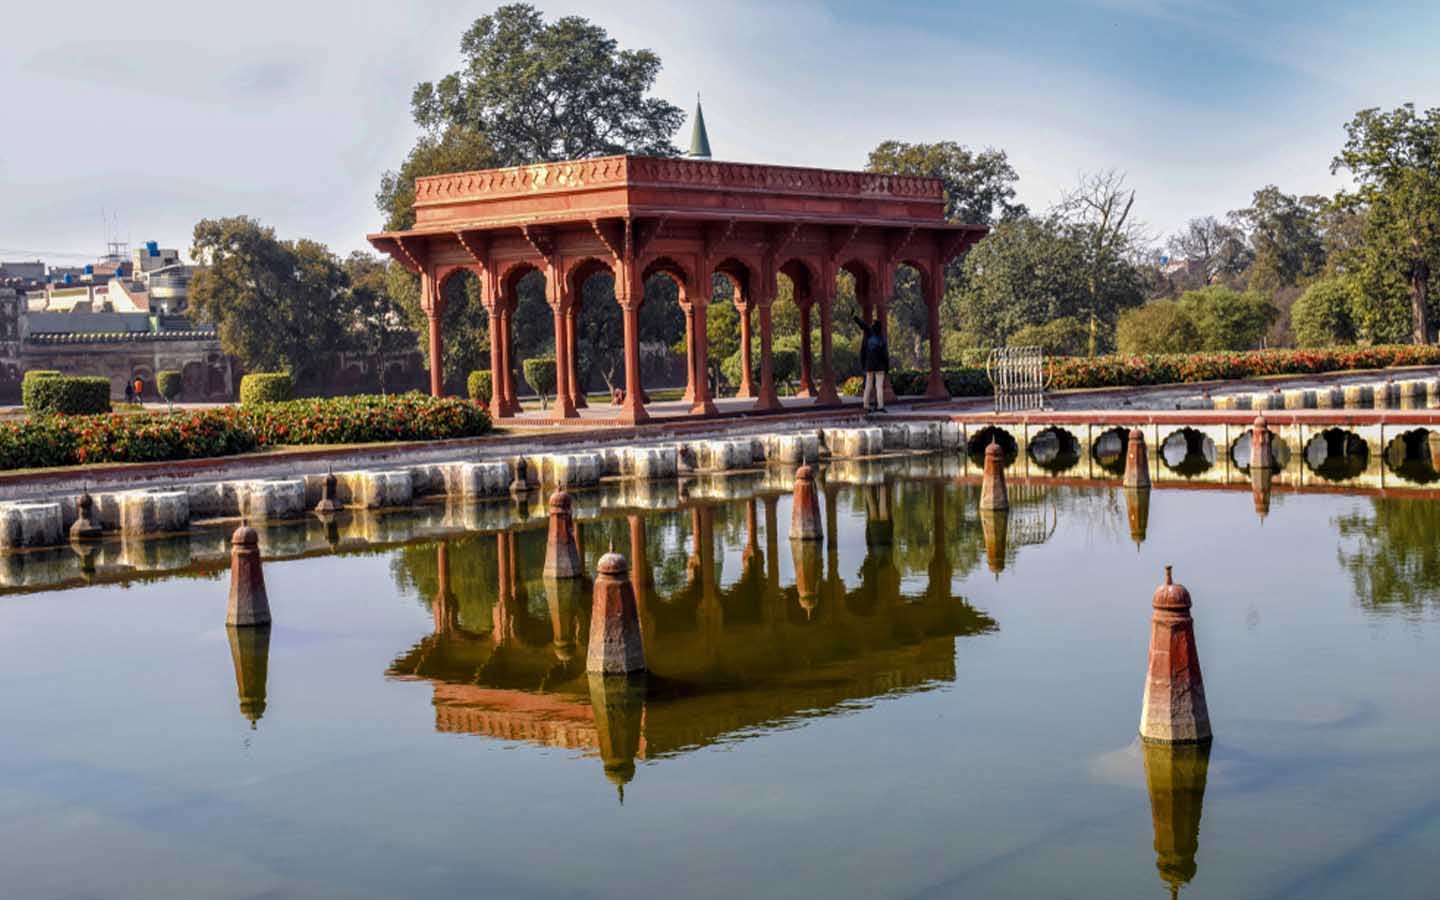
(656, 187)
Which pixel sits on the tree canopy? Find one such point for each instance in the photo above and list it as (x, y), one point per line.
(1395, 160)
(549, 91)
(275, 304)
(979, 186)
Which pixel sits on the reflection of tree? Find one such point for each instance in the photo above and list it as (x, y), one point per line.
(1392, 554)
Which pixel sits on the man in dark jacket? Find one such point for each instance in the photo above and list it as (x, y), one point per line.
(875, 359)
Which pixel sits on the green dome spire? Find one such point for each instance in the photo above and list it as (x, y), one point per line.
(699, 140)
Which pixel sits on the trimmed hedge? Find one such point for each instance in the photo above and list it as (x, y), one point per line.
(168, 383)
(477, 385)
(70, 395)
(224, 431)
(265, 387)
(539, 373)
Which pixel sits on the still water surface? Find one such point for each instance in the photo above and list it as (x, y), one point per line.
(906, 713)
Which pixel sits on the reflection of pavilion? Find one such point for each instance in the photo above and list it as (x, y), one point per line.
(723, 661)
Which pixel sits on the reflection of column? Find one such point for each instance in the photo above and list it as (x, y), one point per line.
(502, 615)
(834, 585)
(641, 580)
(941, 572)
(995, 525)
(773, 597)
(250, 652)
(1175, 775)
(1137, 510)
(447, 617)
(618, 703)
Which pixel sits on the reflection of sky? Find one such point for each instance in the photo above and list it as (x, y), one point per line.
(123, 737)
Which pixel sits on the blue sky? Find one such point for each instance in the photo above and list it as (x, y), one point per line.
(167, 112)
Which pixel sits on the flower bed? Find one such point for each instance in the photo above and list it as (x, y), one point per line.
(60, 441)
(1070, 372)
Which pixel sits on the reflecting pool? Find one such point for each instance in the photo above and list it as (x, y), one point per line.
(930, 703)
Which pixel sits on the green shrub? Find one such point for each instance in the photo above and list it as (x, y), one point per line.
(168, 383)
(477, 385)
(1065, 336)
(960, 382)
(853, 386)
(68, 395)
(1160, 326)
(266, 387)
(539, 373)
(1321, 317)
(1228, 320)
(42, 373)
(61, 441)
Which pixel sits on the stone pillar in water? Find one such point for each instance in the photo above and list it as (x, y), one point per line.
(616, 645)
(328, 502)
(249, 605)
(85, 529)
(1137, 462)
(562, 556)
(1173, 710)
(1260, 453)
(250, 651)
(1175, 775)
(805, 524)
(993, 494)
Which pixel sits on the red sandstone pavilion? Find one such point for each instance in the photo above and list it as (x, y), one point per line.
(641, 217)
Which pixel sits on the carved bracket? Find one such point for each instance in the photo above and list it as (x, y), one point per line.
(611, 234)
(541, 239)
(841, 238)
(646, 237)
(477, 244)
(896, 243)
(411, 253)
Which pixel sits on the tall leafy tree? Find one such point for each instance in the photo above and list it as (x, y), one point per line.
(1215, 251)
(377, 328)
(528, 91)
(1395, 160)
(1285, 233)
(276, 304)
(1099, 215)
(1032, 271)
(979, 185)
(549, 91)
